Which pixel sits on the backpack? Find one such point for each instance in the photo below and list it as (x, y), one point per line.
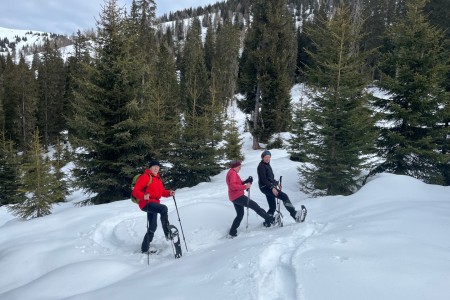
(133, 183)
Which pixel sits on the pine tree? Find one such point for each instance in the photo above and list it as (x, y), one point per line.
(339, 130)
(416, 71)
(39, 184)
(267, 69)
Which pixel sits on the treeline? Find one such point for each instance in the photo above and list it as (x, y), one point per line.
(137, 92)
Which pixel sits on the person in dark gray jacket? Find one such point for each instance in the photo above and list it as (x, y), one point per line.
(270, 188)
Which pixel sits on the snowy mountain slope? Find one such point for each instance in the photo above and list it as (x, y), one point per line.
(387, 241)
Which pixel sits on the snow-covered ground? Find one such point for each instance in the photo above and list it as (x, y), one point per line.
(387, 241)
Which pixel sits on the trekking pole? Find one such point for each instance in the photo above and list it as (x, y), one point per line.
(278, 200)
(179, 220)
(248, 203)
(147, 238)
(278, 204)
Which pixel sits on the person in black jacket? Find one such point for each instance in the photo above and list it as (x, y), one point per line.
(269, 187)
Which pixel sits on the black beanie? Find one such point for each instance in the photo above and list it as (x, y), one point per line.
(154, 163)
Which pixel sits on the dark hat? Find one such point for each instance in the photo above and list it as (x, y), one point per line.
(265, 152)
(235, 164)
(154, 163)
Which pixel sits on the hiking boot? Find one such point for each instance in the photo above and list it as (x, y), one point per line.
(231, 236)
(167, 234)
(150, 250)
(269, 221)
(300, 216)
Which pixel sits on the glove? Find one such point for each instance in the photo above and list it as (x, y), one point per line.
(248, 180)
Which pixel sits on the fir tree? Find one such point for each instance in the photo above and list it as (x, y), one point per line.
(38, 183)
(411, 138)
(339, 130)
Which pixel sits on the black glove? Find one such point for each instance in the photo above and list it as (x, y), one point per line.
(248, 180)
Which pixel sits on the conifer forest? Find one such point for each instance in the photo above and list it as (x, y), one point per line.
(140, 87)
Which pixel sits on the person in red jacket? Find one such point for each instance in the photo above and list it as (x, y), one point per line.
(236, 188)
(148, 196)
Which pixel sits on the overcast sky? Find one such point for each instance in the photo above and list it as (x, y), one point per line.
(67, 16)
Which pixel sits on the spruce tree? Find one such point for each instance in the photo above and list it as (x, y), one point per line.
(165, 108)
(226, 63)
(9, 172)
(233, 146)
(51, 82)
(339, 130)
(109, 113)
(267, 69)
(194, 153)
(39, 184)
(416, 69)
(20, 98)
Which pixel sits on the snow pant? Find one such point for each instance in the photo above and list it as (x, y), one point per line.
(272, 203)
(239, 205)
(153, 209)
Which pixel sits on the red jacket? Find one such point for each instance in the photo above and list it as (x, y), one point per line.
(156, 189)
(236, 186)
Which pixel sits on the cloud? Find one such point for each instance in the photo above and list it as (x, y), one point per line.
(68, 16)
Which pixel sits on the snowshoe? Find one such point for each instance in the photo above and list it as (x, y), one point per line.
(175, 238)
(278, 219)
(300, 216)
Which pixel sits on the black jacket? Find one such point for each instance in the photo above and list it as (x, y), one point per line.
(265, 176)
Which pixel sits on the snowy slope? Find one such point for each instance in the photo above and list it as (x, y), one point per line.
(387, 241)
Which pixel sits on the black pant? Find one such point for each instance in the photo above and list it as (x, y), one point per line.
(272, 203)
(153, 209)
(239, 205)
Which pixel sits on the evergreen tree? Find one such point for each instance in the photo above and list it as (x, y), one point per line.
(298, 140)
(109, 114)
(60, 158)
(194, 153)
(165, 107)
(2, 95)
(233, 146)
(39, 184)
(226, 63)
(339, 130)
(438, 14)
(9, 172)
(267, 69)
(19, 102)
(51, 81)
(210, 41)
(417, 66)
